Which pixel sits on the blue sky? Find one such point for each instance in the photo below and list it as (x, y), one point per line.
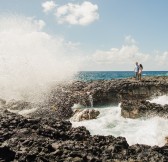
(118, 32)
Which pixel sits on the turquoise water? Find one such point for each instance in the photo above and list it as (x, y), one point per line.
(108, 75)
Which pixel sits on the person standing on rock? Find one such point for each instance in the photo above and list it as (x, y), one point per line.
(136, 70)
(140, 72)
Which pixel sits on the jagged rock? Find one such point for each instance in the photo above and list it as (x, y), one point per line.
(95, 93)
(104, 92)
(136, 109)
(86, 114)
(51, 139)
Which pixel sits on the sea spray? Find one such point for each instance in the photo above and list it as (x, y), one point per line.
(91, 100)
(23, 112)
(162, 100)
(150, 131)
(31, 60)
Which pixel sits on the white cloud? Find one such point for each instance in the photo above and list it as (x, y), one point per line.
(124, 55)
(48, 6)
(130, 40)
(76, 14)
(124, 58)
(162, 58)
(40, 24)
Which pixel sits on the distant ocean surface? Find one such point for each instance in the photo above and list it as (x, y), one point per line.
(108, 75)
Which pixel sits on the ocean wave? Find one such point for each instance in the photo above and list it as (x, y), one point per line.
(151, 131)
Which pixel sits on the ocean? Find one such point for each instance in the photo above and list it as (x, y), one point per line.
(108, 75)
(151, 131)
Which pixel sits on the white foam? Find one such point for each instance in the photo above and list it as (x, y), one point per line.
(77, 106)
(150, 131)
(27, 111)
(162, 100)
(24, 112)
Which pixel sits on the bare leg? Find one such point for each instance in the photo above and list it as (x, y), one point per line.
(136, 76)
(140, 76)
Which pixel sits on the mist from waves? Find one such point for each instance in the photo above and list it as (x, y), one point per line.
(151, 131)
(162, 100)
(31, 60)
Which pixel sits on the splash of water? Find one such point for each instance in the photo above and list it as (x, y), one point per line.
(162, 100)
(151, 131)
(23, 112)
(31, 60)
(91, 100)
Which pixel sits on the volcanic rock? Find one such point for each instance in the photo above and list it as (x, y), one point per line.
(104, 92)
(52, 139)
(136, 109)
(129, 92)
(86, 114)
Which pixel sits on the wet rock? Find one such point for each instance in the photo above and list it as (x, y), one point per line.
(141, 108)
(76, 159)
(104, 92)
(6, 154)
(56, 140)
(62, 97)
(86, 114)
(51, 138)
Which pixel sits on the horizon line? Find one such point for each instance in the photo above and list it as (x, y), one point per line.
(121, 71)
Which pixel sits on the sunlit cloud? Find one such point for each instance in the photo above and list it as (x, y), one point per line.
(76, 14)
(48, 6)
(125, 54)
(40, 24)
(130, 40)
(124, 58)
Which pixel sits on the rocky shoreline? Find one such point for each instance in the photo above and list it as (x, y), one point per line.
(46, 135)
(108, 92)
(50, 139)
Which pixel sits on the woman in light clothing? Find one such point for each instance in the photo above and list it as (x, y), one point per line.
(140, 71)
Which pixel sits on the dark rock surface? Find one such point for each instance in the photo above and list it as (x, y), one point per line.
(136, 109)
(84, 114)
(62, 97)
(50, 139)
(129, 92)
(105, 92)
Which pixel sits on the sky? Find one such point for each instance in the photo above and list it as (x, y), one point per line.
(101, 35)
